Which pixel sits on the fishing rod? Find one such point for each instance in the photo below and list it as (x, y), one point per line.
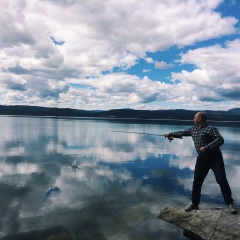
(152, 134)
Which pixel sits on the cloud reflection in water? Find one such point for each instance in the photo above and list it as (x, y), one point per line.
(124, 181)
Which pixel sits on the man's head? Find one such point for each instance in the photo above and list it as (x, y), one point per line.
(200, 118)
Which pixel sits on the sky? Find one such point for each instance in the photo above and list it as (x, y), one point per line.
(112, 54)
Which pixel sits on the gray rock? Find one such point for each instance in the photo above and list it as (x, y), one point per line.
(205, 224)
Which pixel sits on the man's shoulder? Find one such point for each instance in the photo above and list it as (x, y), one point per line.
(206, 125)
(209, 127)
(190, 128)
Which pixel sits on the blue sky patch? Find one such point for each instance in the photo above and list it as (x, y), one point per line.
(60, 43)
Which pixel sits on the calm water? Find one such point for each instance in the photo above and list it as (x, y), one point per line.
(124, 180)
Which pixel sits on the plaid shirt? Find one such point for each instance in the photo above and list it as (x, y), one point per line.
(207, 136)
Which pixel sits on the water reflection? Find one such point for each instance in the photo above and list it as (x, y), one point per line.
(123, 182)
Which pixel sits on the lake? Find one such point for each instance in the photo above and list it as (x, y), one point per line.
(124, 180)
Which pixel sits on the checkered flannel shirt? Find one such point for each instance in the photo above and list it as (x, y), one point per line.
(207, 136)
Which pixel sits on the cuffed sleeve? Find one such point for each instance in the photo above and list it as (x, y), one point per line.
(180, 134)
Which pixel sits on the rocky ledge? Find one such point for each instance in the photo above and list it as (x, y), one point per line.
(205, 224)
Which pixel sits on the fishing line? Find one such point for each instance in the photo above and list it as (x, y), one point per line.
(150, 134)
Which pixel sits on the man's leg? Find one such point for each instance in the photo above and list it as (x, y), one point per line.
(218, 169)
(201, 170)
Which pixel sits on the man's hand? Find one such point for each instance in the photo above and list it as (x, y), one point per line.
(166, 135)
(202, 149)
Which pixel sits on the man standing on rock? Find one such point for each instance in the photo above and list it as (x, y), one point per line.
(207, 141)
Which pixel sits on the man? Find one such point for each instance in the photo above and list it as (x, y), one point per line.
(207, 141)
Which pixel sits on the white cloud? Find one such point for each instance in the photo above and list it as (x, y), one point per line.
(147, 70)
(12, 82)
(149, 60)
(162, 65)
(119, 89)
(99, 36)
(217, 76)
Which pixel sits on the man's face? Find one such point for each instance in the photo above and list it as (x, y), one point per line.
(196, 119)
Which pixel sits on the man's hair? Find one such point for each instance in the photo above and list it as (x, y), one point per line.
(203, 116)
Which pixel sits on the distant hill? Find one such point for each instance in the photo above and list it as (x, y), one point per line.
(234, 110)
(43, 111)
(178, 114)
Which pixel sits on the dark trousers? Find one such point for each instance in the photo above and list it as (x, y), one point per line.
(204, 163)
